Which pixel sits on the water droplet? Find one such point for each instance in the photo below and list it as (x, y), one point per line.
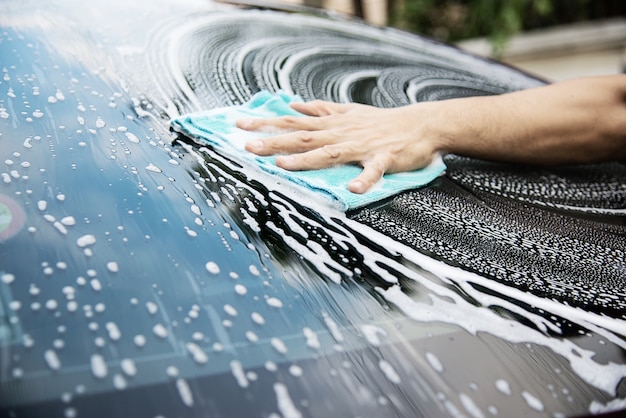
(160, 331)
(278, 345)
(503, 386)
(389, 372)
(52, 359)
(185, 392)
(172, 371)
(60, 227)
(252, 337)
(240, 289)
(434, 362)
(153, 168)
(113, 267)
(152, 307)
(230, 310)
(532, 401)
(312, 340)
(128, 367)
(275, 302)
(197, 353)
(238, 372)
(140, 340)
(119, 382)
(68, 221)
(7, 278)
(98, 366)
(295, 370)
(113, 330)
(86, 240)
(132, 137)
(285, 404)
(258, 318)
(212, 267)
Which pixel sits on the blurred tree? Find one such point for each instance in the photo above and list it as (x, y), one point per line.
(498, 20)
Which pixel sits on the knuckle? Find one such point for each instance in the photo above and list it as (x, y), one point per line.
(305, 136)
(290, 120)
(333, 151)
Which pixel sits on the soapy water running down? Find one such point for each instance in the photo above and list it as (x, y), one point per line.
(233, 275)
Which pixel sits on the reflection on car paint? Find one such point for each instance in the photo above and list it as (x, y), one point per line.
(11, 215)
(148, 261)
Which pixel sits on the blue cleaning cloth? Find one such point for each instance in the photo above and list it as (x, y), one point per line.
(217, 127)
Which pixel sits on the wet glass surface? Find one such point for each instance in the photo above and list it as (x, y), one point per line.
(142, 274)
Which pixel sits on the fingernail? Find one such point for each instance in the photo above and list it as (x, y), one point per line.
(356, 186)
(255, 145)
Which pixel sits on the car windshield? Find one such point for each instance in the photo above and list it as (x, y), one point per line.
(143, 273)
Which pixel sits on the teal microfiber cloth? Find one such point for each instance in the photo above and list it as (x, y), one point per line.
(216, 127)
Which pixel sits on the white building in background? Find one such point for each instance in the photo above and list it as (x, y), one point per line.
(562, 52)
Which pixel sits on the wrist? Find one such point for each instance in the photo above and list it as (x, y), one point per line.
(442, 126)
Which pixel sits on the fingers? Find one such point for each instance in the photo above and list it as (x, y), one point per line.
(320, 107)
(314, 109)
(322, 157)
(318, 139)
(372, 172)
(284, 123)
(331, 155)
(293, 142)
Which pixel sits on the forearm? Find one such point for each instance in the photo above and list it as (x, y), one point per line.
(578, 121)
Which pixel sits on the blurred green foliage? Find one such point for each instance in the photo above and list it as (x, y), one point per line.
(497, 20)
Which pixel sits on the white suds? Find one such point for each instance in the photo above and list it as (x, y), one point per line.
(278, 345)
(238, 373)
(503, 386)
(434, 362)
(285, 404)
(311, 338)
(86, 240)
(389, 372)
(212, 267)
(98, 366)
(160, 331)
(197, 353)
(52, 359)
(185, 392)
(532, 401)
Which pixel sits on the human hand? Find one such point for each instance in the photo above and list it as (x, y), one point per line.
(379, 140)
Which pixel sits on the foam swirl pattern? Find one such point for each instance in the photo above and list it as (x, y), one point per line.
(224, 59)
